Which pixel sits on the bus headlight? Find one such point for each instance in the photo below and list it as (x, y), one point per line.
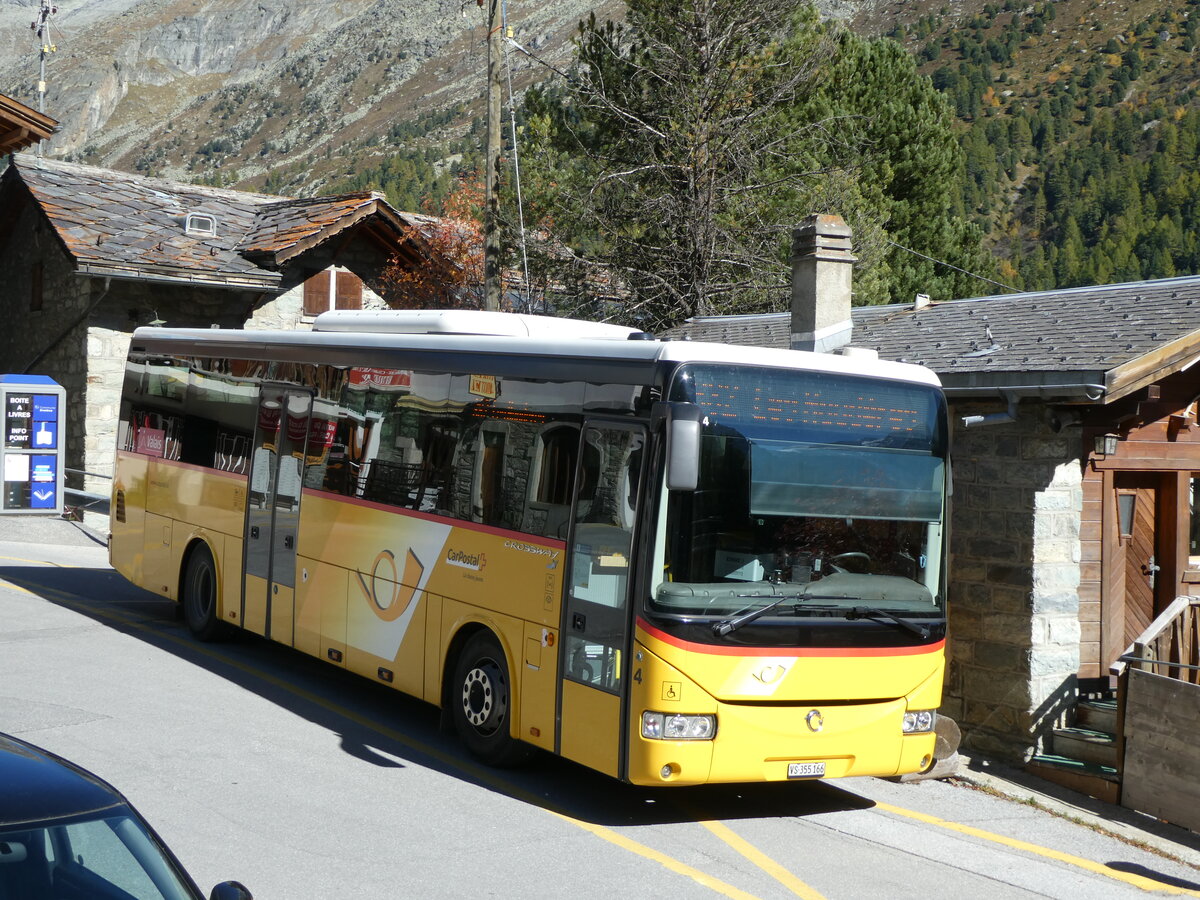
(919, 721)
(675, 727)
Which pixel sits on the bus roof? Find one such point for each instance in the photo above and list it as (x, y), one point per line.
(464, 321)
(508, 341)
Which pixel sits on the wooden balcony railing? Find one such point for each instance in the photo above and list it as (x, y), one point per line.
(1158, 717)
(1170, 646)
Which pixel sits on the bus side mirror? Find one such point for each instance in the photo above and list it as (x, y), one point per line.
(683, 445)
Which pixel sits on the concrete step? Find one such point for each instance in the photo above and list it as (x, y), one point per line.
(1077, 766)
(1101, 782)
(1096, 715)
(1086, 745)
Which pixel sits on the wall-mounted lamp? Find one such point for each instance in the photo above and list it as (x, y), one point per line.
(1106, 444)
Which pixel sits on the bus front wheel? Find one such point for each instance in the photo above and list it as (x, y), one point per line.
(481, 703)
(200, 596)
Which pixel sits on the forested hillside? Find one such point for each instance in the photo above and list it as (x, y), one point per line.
(1081, 128)
(1079, 120)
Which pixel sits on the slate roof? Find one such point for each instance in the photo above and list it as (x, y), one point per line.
(130, 226)
(284, 229)
(1086, 343)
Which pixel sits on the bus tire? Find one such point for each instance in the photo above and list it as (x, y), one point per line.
(481, 703)
(200, 596)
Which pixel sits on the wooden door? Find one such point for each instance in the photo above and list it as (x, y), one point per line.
(1138, 506)
(1141, 563)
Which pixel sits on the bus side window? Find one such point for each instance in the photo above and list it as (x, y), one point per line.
(557, 454)
(488, 493)
(601, 552)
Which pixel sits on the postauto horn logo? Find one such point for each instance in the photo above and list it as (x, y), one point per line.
(473, 561)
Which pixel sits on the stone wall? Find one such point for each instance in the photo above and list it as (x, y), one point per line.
(1014, 579)
(286, 312)
(48, 341)
(126, 305)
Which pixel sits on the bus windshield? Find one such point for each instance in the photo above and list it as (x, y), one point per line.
(820, 494)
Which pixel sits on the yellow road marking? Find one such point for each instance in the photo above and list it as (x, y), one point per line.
(486, 776)
(674, 865)
(1140, 881)
(760, 859)
(479, 773)
(23, 590)
(39, 562)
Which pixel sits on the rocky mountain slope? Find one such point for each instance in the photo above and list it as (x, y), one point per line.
(1069, 109)
(234, 91)
(227, 90)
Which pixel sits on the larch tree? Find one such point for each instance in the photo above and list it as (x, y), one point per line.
(451, 276)
(691, 137)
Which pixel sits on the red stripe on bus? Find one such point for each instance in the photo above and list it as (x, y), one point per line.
(714, 650)
(524, 537)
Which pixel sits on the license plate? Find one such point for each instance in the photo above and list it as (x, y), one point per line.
(806, 770)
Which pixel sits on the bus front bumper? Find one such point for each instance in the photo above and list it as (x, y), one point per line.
(755, 743)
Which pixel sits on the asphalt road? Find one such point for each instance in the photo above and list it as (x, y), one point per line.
(258, 763)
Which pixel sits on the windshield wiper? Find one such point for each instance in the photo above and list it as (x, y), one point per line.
(881, 615)
(732, 624)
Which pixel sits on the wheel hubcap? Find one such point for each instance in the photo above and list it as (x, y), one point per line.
(484, 698)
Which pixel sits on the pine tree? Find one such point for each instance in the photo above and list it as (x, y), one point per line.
(692, 136)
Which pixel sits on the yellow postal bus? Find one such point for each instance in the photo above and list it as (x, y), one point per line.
(673, 562)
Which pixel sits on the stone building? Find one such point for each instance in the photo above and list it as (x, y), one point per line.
(89, 254)
(1076, 464)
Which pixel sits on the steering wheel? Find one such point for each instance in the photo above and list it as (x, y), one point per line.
(864, 558)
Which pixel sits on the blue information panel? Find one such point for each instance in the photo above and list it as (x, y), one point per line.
(43, 481)
(32, 445)
(44, 425)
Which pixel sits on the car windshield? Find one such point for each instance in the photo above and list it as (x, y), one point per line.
(823, 489)
(107, 856)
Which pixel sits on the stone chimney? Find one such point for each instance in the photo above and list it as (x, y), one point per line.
(821, 279)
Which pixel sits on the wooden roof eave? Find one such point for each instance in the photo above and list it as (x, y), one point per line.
(29, 125)
(402, 239)
(1151, 367)
(15, 139)
(360, 215)
(178, 276)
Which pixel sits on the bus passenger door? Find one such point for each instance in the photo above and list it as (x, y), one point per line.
(273, 512)
(595, 628)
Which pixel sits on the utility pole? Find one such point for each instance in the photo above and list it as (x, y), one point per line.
(492, 287)
(41, 26)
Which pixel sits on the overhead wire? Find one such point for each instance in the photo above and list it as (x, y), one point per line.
(512, 121)
(537, 59)
(942, 262)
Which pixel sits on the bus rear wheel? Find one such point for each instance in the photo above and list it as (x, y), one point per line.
(481, 703)
(200, 596)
